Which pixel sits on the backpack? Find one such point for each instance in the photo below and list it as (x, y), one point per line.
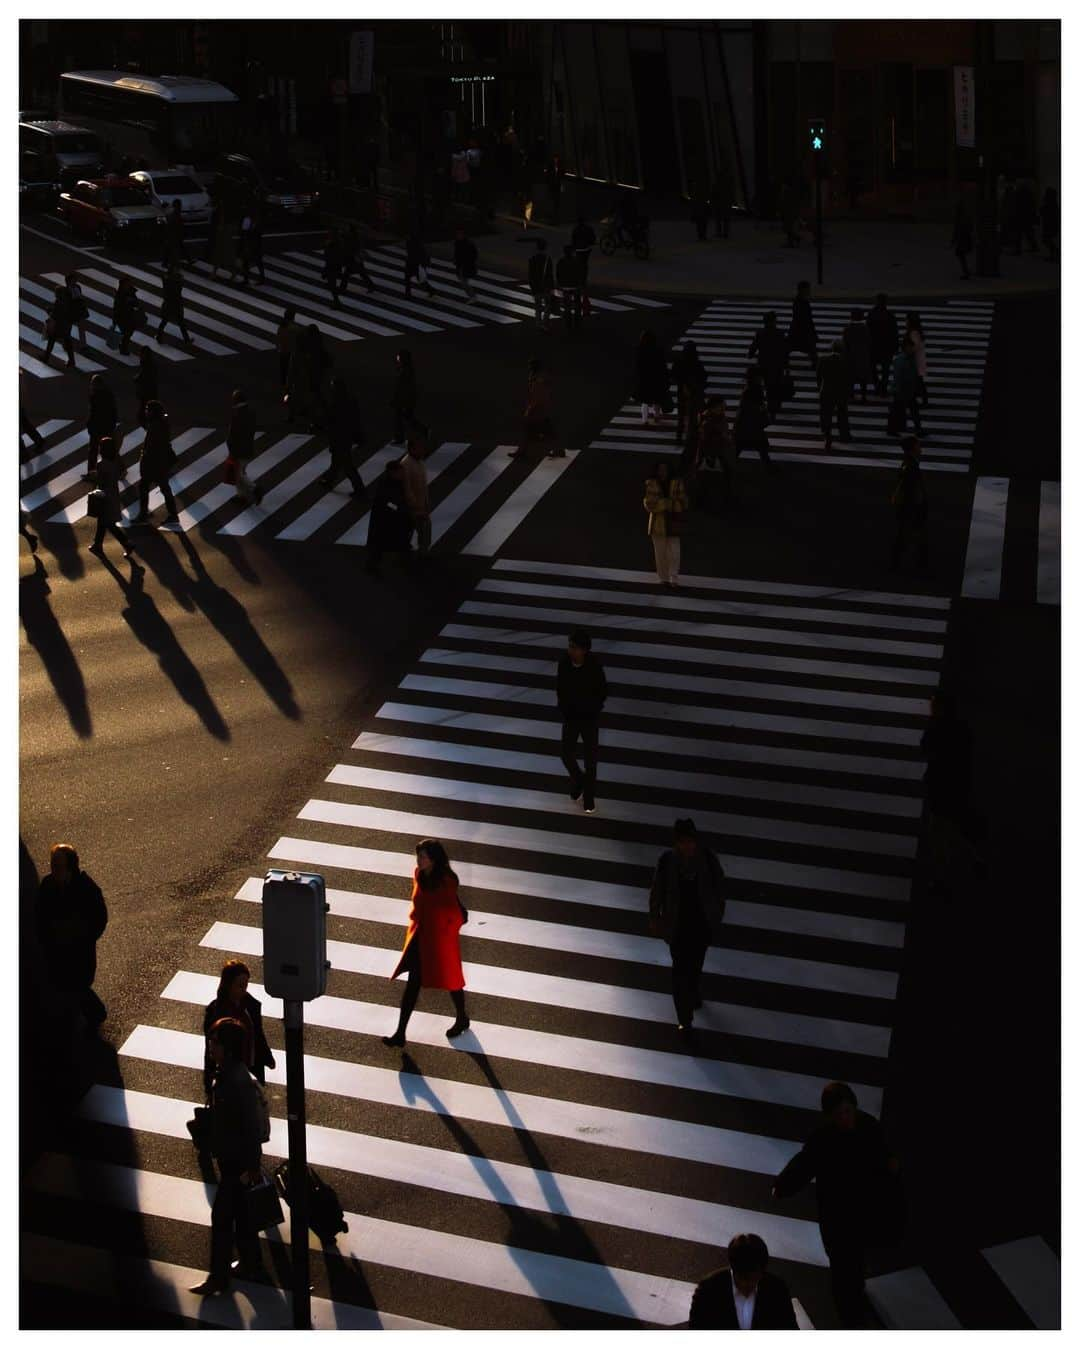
(326, 1216)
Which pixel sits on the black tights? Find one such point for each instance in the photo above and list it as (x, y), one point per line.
(412, 995)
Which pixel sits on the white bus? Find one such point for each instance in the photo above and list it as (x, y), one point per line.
(166, 121)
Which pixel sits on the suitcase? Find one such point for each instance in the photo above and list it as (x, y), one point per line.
(325, 1214)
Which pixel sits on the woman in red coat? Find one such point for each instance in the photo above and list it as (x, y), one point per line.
(432, 954)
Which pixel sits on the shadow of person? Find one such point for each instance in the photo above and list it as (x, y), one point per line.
(46, 636)
(153, 631)
(229, 617)
(551, 1231)
(162, 562)
(62, 542)
(231, 549)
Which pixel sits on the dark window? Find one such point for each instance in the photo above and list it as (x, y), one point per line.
(932, 125)
(695, 151)
(897, 127)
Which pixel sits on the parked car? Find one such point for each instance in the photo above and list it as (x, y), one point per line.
(108, 209)
(39, 186)
(163, 186)
(66, 152)
(280, 187)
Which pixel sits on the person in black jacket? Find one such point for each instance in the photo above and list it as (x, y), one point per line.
(834, 386)
(342, 432)
(127, 313)
(769, 349)
(691, 379)
(101, 420)
(802, 334)
(752, 418)
(417, 259)
(333, 260)
(568, 279)
(58, 324)
(240, 441)
(352, 260)
(70, 917)
(172, 304)
(884, 341)
(146, 381)
(541, 281)
(744, 1294)
(233, 1002)
(854, 1174)
(580, 689)
(465, 262)
(237, 1111)
(391, 525)
(686, 909)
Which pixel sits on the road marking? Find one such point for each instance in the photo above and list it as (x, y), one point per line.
(54, 455)
(324, 509)
(656, 779)
(467, 492)
(986, 539)
(240, 525)
(166, 1288)
(1048, 586)
(411, 1248)
(863, 596)
(187, 476)
(537, 1113)
(655, 744)
(310, 269)
(491, 1180)
(909, 1300)
(589, 997)
(508, 517)
(218, 496)
(1032, 1275)
(56, 486)
(497, 796)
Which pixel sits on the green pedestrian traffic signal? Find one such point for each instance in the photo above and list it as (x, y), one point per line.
(817, 137)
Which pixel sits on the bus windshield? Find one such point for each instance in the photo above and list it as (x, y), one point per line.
(201, 129)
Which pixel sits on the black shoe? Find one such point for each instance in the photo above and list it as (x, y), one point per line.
(248, 1271)
(211, 1286)
(590, 804)
(687, 1036)
(575, 793)
(395, 1040)
(458, 1027)
(31, 539)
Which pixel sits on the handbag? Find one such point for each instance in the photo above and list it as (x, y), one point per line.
(200, 1128)
(95, 503)
(262, 1209)
(113, 338)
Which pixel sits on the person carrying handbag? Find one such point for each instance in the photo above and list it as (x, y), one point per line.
(240, 441)
(240, 1128)
(666, 505)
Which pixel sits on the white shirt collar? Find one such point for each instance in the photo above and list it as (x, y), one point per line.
(744, 1306)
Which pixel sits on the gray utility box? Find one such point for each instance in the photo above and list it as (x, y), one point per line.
(294, 911)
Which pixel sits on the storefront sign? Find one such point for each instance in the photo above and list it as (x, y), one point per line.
(361, 60)
(964, 88)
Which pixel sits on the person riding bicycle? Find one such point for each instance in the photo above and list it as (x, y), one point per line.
(627, 220)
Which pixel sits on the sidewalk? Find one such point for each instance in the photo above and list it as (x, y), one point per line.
(906, 258)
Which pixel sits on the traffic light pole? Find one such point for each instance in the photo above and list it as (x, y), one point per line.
(298, 1183)
(817, 208)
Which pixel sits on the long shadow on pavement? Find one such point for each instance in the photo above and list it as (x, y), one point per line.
(46, 635)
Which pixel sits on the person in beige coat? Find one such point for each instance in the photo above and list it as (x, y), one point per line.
(414, 479)
(666, 505)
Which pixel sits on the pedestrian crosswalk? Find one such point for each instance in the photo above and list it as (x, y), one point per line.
(957, 336)
(1014, 541)
(567, 1162)
(480, 495)
(1014, 1285)
(225, 317)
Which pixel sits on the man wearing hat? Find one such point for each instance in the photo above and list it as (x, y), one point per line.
(686, 908)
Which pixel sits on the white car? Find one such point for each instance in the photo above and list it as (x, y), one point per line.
(163, 186)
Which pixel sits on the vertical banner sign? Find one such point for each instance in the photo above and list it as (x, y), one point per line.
(964, 88)
(361, 60)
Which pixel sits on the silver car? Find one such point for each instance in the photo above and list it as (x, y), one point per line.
(163, 186)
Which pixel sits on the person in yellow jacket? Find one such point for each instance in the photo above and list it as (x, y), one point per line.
(666, 505)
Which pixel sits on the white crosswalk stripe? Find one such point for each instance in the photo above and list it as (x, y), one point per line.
(225, 317)
(605, 1123)
(956, 338)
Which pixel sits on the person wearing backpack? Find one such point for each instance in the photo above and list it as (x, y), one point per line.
(240, 1126)
(686, 909)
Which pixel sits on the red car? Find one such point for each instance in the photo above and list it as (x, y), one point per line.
(109, 209)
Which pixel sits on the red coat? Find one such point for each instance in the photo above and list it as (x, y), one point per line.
(435, 919)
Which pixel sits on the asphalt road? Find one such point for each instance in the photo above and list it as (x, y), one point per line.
(172, 727)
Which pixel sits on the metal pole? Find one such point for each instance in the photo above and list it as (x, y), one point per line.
(817, 191)
(298, 1183)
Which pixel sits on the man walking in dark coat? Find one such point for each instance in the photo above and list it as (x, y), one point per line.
(342, 432)
(101, 421)
(744, 1295)
(802, 334)
(240, 441)
(175, 251)
(352, 260)
(541, 281)
(686, 909)
(857, 1194)
(580, 690)
(465, 263)
(769, 350)
(834, 383)
(333, 260)
(884, 341)
(70, 917)
(568, 279)
(391, 525)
